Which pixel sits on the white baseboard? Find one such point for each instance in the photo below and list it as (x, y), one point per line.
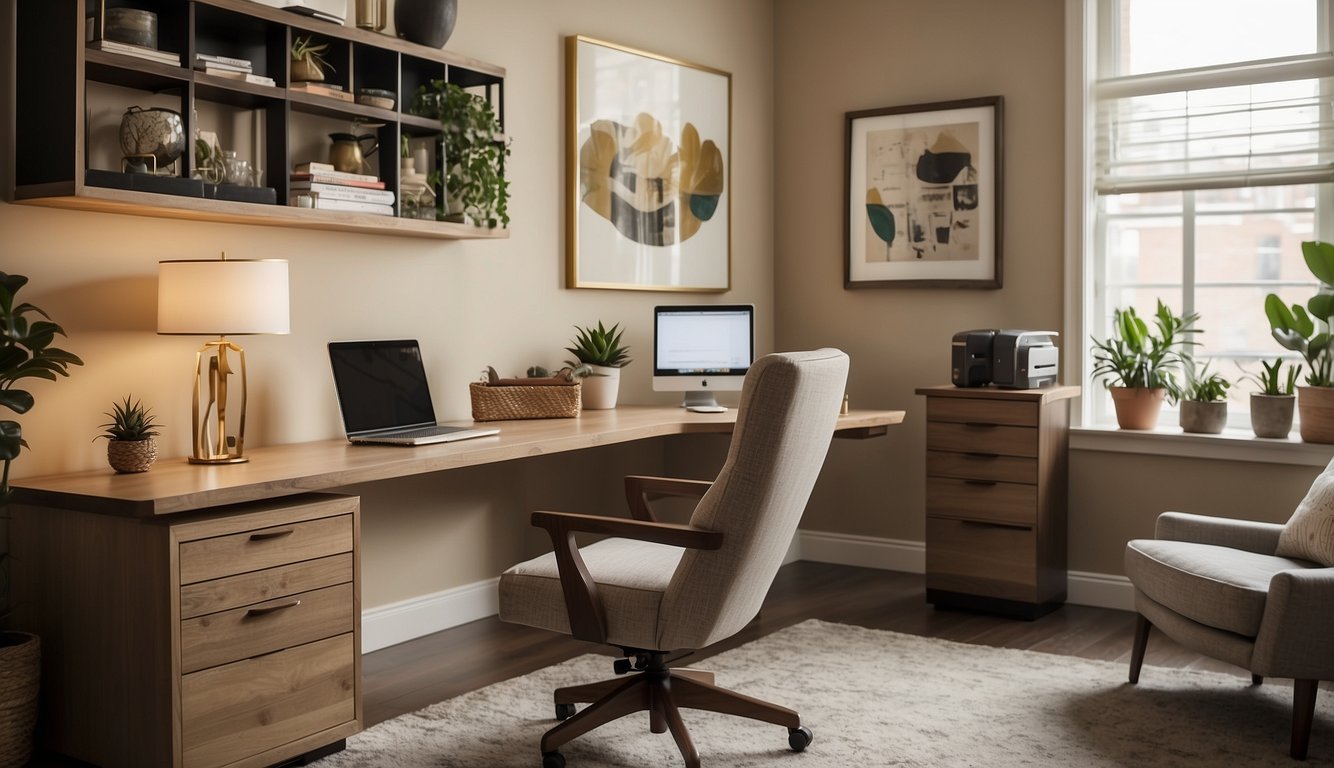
(399, 622)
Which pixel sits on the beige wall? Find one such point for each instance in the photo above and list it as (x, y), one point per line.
(472, 304)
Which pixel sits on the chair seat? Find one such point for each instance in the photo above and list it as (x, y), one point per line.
(1216, 586)
(631, 577)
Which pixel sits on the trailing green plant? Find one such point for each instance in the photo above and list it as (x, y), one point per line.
(1308, 334)
(1135, 356)
(1273, 380)
(473, 149)
(1203, 386)
(598, 346)
(25, 353)
(130, 421)
(306, 49)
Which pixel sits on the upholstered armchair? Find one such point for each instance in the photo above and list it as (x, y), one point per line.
(653, 589)
(1257, 595)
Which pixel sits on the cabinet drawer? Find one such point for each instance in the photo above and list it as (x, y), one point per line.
(264, 548)
(963, 410)
(982, 466)
(232, 712)
(982, 438)
(218, 638)
(235, 591)
(982, 500)
(981, 559)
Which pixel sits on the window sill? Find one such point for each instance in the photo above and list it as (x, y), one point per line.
(1231, 445)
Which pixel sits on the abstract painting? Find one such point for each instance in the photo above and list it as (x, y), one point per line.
(647, 152)
(922, 198)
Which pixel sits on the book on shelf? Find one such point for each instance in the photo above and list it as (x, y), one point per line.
(138, 51)
(343, 192)
(365, 181)
(225, 61)
(348, 206)
(317, 167)
(320, 89)
(248, 77)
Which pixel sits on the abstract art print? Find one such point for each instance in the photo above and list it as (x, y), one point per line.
(648, 156)
(922, 199)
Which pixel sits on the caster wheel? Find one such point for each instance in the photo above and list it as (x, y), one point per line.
(798, 738)
(564, 711)
(553, 760)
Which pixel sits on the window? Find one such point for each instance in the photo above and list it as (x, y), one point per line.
(1210, 161)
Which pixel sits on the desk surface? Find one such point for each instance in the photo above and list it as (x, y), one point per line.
(174, 486)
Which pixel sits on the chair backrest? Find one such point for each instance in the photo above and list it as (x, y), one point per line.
(789, 408)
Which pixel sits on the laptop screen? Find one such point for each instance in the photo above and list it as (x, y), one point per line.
(381, 385)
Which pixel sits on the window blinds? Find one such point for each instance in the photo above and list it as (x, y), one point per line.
(1239, 125)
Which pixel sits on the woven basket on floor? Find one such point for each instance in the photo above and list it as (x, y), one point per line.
(520, 402)
(20, 668)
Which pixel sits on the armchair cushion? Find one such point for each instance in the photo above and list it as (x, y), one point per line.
(1215, 586)
(631, 577)
(1309, 534)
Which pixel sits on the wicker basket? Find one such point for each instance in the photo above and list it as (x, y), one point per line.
(129, 456)
(20, 666)
(520, 402)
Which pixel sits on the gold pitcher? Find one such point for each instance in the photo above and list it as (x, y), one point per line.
(345, 152)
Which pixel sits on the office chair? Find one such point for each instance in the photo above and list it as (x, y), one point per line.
(654, 589)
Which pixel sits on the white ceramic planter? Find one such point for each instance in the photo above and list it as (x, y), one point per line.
(1203, 418)
(601, 387)
(1271, 415)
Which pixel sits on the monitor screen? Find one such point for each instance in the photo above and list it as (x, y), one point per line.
(702, 349)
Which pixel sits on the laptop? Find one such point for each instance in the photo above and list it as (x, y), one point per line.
(384, 398)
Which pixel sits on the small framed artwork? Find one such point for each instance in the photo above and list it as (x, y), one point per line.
(922, 202)
(648, 156)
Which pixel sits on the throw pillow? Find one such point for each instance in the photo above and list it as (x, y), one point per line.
(1309, 534)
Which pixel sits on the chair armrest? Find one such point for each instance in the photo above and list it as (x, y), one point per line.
(641, 489)
(1297, 632)
(1247, 535)
(587, 620)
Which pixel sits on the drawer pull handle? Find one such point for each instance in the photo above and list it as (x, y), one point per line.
(979, 425)
(979, 482)
(266, 535)
(267, 609)
(987, 456)
(987, 524)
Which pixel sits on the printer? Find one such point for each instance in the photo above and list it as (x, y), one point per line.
(1024, 359)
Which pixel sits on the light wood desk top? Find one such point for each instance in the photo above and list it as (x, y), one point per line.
(175, 486)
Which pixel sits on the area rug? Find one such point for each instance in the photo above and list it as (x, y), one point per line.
(877, 698)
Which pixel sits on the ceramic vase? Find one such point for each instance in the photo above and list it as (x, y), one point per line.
(1271, 415)
(601, 387)
(1315, 406)
(427, 22)
(1137, 407)
(1203, 418)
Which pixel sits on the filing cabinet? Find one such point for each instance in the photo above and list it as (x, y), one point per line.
(996, 465)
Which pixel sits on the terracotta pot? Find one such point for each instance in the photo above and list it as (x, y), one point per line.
(601, 387)
(1315, 405)
(131, 455)
(20, 679)
(1271, 415)
(1203, 418)
(1137, 407)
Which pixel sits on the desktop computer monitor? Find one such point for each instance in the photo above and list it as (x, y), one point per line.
(700, 350)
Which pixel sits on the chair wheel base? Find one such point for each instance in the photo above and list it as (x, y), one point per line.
(564, 711)
(553, 760)
(797, 738)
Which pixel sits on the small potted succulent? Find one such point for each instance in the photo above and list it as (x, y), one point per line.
(1272, 406)
(600, 349)
(1138, 365)
(308, 62)
(1204, 401)
(130, 435)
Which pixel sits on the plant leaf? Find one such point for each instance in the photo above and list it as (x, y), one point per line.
(11, 440)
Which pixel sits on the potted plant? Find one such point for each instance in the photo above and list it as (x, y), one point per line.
(1204, 401)
(308, 62)
(25, 353)
(1272, 406)
(473, 152)
(1138, 366)
(600, 349)
(1297, 330)
(130, 434)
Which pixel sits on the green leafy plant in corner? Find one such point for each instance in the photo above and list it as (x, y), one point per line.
(25, 353)
(1203, 386)
(473, 151)
(1295, 329)
(598, 346)
(1273, 380)
(1136, 356)
(130, 421)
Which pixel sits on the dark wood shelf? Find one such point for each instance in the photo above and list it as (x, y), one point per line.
(133, 72)
(236, 93)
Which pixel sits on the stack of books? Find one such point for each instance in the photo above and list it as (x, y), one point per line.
(328, 90)
(318, 185)
(137, 51)
(228, 67)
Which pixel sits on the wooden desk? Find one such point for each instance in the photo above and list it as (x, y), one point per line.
(202, 616)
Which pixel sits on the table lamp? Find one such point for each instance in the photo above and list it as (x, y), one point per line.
(220, 298)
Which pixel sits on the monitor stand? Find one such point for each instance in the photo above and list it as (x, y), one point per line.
(702, 402)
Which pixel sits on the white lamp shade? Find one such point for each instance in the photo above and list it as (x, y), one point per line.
(222, 298)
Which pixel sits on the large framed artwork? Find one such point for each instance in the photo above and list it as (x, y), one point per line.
(648, 155)
(922, 202)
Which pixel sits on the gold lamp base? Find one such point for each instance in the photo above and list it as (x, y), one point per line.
(210, 442)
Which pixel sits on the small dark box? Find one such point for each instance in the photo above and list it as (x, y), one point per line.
(970, 360)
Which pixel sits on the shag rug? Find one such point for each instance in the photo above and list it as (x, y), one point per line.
(877, 698)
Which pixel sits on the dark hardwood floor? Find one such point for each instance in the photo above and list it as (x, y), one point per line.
(412, 675)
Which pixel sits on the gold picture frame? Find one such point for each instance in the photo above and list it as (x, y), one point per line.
(648, 158)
